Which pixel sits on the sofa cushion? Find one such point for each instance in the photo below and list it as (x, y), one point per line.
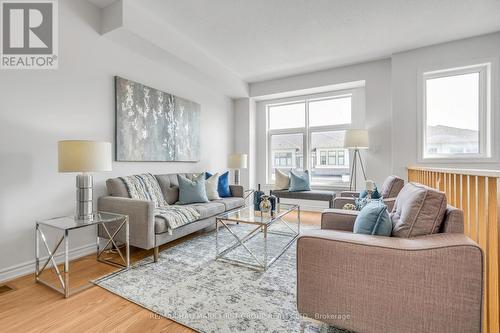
(419, 210)
(231, 203)
(391, 187)
(299, 181)
(211, 185)
(117, 188)
(453, 221)
(208, 209)
(192, 191)
(170, 186)
(282, 181)
(373, 219)
(223, 186)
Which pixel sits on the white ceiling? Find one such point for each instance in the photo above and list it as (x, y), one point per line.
(264, 39)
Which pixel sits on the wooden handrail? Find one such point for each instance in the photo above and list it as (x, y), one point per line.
(477, 194)
(456, 171)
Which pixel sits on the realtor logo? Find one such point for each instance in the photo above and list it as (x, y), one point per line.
(29, 34)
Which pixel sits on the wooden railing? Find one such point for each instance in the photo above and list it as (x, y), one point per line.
(476, 192)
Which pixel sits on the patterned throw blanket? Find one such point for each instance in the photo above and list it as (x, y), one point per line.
(146, 187)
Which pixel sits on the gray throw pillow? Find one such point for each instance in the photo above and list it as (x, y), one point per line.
(192, 191)
(419, 210)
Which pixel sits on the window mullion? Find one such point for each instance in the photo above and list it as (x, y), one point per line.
(306, 158)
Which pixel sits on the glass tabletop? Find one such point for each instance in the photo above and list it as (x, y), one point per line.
(248, 214)
(71, 222)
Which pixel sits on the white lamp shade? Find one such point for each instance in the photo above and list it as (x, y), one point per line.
(356, 139)
(238, 161)
(84, 156)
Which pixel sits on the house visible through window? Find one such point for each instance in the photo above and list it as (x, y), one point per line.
(308, 133)
(456, 119)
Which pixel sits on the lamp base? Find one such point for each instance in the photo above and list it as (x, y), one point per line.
(356, 157)
(236, 176)
(84, 196)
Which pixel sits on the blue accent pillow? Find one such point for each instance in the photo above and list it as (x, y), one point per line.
(223, 186)
(375, 194)
(373, 219)
(192, 191)
(299, 181)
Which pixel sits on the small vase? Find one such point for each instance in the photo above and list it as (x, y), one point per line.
(265, 204)
(273, 200)
(257, 198)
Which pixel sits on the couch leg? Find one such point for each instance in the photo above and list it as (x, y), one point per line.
(156, 253)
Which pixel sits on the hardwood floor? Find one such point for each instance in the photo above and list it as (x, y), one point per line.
(32, 307)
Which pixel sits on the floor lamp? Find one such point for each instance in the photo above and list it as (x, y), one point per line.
(356, 139)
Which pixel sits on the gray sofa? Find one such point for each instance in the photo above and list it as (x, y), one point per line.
(148, 232)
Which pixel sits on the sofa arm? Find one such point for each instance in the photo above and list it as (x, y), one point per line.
(370, 283)
(349, 194)
(237, 190)
(338, 219)
(141, 218)
(389, 202)
(340, 202)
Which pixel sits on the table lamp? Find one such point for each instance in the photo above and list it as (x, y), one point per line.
(84, 157)
(356, 139)
(237, 161)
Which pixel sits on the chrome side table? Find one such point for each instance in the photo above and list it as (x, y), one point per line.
(65, 225)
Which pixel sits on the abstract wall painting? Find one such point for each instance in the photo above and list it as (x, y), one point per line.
(152, 125)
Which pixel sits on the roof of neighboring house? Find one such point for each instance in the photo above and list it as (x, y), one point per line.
(440, 134)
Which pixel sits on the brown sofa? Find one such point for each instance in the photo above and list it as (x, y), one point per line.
(389, 191)
(365, 283)
(148, 232)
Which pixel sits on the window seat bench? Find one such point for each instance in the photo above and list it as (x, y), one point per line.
(317, 195)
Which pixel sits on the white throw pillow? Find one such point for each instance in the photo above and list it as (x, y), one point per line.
(211, 185)
(282, 180)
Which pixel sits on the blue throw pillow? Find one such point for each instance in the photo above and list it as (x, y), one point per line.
(375, 194)
(223, 186)
(192, 191)
(373, 219)
(299, 181)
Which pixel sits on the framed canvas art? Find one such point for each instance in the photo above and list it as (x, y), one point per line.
(152, 125)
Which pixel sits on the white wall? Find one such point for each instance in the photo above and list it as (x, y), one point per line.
(377, 78)
(38, 108)
(244, 138)
(408, 66)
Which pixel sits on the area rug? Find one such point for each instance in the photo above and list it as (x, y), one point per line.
(188, 286)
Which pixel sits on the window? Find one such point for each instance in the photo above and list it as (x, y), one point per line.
(287, 151)
(287, 116)
(315, 127)
(456, 116)
(320, 111)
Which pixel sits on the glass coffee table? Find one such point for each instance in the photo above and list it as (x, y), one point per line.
(259, 224)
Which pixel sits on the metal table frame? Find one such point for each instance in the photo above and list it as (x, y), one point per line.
(262, 264)
(64, 276)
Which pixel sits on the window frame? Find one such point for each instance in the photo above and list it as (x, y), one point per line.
(486, 122)
(307, 131)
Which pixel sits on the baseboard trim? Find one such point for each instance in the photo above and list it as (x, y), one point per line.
(28, 267)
